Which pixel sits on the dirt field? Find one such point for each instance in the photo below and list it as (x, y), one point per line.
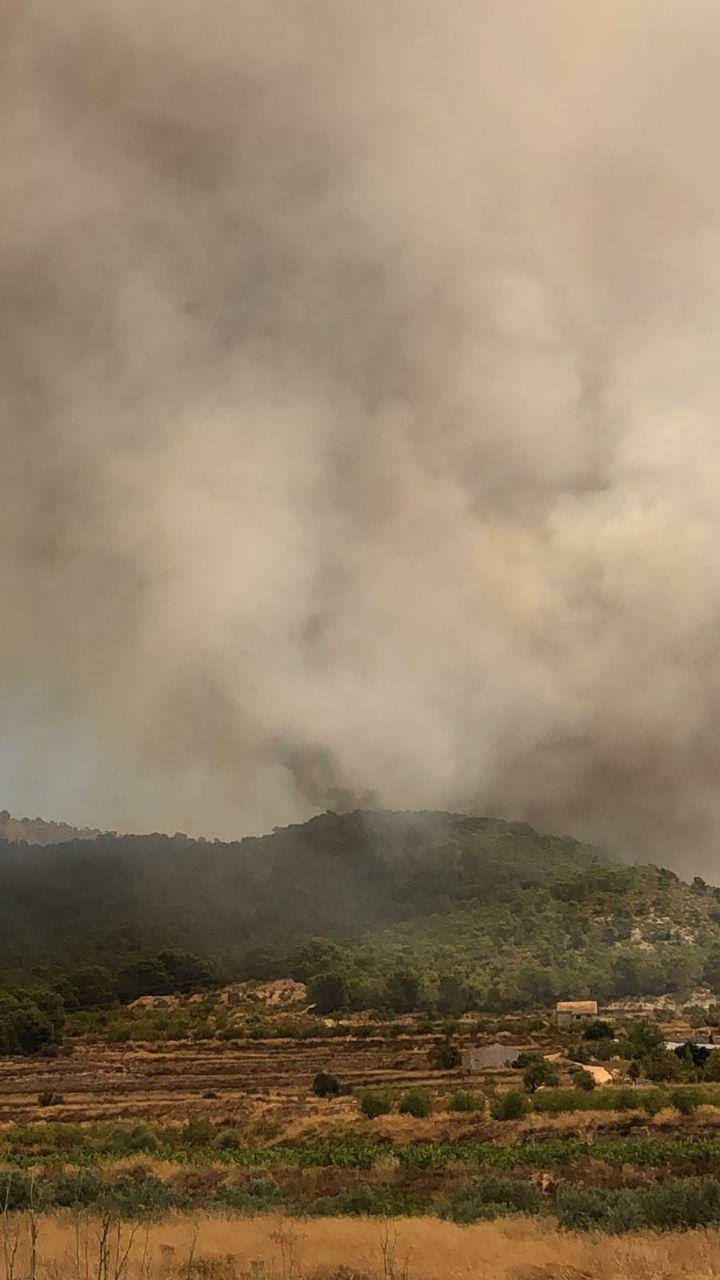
(267, 1248)
(97, 1082)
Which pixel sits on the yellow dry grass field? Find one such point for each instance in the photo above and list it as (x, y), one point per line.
(196, 1247)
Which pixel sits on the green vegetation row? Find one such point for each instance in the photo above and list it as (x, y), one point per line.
(26, 1146)
(651, 1099)
(676, 1204)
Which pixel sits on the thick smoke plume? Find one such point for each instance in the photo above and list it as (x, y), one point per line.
(361, 411)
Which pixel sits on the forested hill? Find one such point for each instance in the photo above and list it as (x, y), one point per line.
(38, 831)
(519, 916)
(337, 874)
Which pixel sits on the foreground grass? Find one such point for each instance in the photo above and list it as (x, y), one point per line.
(195, 1247)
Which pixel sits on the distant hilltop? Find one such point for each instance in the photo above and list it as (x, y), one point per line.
(38, 831)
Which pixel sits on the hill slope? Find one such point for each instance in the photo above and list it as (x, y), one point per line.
(497, 912)
(38, 831)
(339, 874)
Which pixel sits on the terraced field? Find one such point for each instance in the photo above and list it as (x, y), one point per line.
(141, 1131)
(98, 1082)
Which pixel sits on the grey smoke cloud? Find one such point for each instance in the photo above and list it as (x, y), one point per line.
(360, 409)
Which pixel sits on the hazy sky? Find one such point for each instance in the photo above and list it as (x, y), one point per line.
(360, 413)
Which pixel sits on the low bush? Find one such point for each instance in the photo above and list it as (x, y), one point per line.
(679, 1204)
(375, 1102)
(627, 1098)
(379, 1200)
(466, 1100)
(326, 1086)
(229, 1139)
(445, 1057)
(603, 1050)
(583, 1080)
(257, 1195)
(416, 1102)
(510, 1106)
(198, 1132)
(48, 1098)
(230, 1034)
(493, 1197)
(684, 1100)
(139, 1137)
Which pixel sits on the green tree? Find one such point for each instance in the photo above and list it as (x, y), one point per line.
(642, 1039)
(143, 977)
(539, 1072)
(164, 973)
(712, 1066)
(539, 983)
(661, 1065)
(445, 1056)
(49, 1001)
(711, 971)
(582, 1079)
(692, 1055)
(24, 1026)
(453, 996)
(403, 991)
(314, 957)
(94, 986)
(328, 992)
(598, 1030)
(326, 1086)
(185, 972)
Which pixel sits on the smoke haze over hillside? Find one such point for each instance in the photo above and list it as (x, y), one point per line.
(360, 413)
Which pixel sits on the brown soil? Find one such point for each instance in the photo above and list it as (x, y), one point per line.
(168, 1082)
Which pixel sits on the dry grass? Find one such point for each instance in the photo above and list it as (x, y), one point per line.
(707, 1117)
(196, 1247)
(168, 1081)
(667, 1118)
(576, 1122)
